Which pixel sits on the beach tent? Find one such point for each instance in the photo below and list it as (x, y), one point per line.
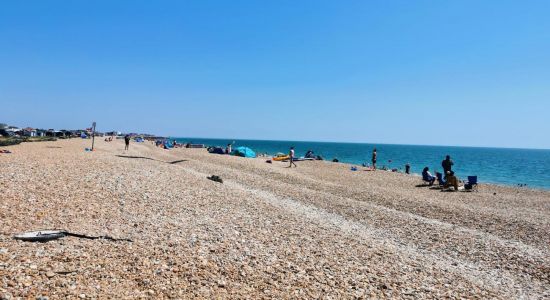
(168, 145)
(244, 152)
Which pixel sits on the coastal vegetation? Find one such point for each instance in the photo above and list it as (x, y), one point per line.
(9, 141)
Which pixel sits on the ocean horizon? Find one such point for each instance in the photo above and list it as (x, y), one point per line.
(503, 166)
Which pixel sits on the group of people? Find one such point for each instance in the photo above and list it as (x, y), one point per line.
(447, 179)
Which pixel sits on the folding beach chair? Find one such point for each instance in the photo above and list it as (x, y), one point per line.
(440, 179)
(426, 180)
(471, 184)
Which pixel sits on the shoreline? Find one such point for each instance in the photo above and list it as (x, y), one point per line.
(532, 181)
(318, 230)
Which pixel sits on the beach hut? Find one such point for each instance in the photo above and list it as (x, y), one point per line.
(243, 152)
(30, 132)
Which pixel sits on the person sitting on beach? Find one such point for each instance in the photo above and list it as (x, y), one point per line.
(309, 154)
(427, 176)
(451, 180)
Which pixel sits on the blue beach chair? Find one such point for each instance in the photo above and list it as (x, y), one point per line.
(440, 179)
(471, 184)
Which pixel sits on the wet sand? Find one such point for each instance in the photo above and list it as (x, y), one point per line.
(316, 231)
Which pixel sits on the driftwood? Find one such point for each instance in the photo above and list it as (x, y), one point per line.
(49, 235)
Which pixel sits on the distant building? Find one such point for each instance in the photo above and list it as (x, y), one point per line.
(30, 132)
(40, 132)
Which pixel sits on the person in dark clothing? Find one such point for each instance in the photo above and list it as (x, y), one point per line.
(127, 141)
(374, 158)
(408, 168)
(447, 165)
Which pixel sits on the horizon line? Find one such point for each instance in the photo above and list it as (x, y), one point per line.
(354, 142)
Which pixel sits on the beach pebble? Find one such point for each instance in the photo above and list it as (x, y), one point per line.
(312, 232)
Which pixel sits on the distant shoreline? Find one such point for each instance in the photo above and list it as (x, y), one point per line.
(503, 166)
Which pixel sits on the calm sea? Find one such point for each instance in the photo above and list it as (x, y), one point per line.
(492, 165)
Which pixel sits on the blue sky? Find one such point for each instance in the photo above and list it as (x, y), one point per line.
(413, 72)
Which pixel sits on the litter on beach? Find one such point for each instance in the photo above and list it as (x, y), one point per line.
(39, 236)
(215, 178)
(49, 235)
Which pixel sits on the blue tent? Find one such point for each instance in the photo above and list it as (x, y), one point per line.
(244, 152)
(168, 145)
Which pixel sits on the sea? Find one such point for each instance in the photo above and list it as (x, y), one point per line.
(504, 166)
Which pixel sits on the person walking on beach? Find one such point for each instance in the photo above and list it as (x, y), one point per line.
(127, 141)
(291, 158)
(447, 165)
(374, 159)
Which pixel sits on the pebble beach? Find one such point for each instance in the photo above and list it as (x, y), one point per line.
(318, 231)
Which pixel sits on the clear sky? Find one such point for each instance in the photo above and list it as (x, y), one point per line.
(409, 72)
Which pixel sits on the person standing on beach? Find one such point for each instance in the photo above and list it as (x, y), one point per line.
(374, 159)
(291, 158)
(127, 141)
(447, 165)
(408, 168)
